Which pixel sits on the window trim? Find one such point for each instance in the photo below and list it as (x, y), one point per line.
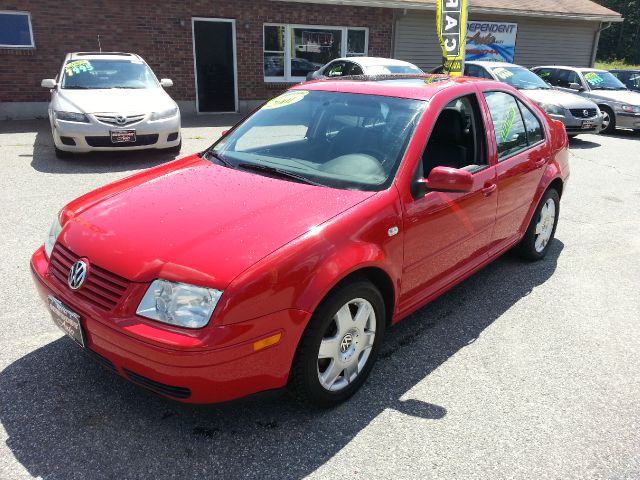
(526, 132)
(288, 78)
(493, 127)
(18, 12)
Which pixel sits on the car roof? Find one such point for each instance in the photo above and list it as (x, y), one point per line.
(103, 55)
(575, 69)
(417, 87)
(486, 63)
(371, 61)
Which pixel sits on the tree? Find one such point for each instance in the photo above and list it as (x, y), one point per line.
(622, 40)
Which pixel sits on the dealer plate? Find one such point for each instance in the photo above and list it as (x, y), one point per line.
(66, 319)
(123, 136)
(588, 124)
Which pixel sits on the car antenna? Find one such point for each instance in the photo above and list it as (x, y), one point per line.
(99, 46)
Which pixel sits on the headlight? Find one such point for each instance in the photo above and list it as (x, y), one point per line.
(630, 109)
(51, 239)
(179, 303)
(164, 114)
(552, 109)
(72, 117)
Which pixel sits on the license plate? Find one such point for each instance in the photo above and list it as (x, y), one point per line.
(123, 136)
(586, 124)
(66, 319)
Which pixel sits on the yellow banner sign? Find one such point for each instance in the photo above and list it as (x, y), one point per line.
(451, 20)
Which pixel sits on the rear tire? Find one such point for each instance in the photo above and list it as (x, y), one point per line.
(609, 120)
(339, 346)
(542, 228)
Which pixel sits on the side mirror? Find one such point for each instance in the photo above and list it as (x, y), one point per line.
(48, 83)
(166, 83)
(446, 179)
(576, 86)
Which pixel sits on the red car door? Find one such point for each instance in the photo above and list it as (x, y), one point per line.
(447, 233)
(521, 153)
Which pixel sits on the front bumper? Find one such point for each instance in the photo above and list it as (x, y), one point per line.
(213, 365)
(573, 124)
(628, 120)
(95, 136)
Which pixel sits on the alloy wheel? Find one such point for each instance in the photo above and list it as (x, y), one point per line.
(544, 227)
(346, 344)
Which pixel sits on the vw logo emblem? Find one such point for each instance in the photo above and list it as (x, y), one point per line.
(346, 342)
(585, 113)
(77, 275)
(121, 119)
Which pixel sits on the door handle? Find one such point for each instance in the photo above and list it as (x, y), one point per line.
(540, 162)
(489, 189)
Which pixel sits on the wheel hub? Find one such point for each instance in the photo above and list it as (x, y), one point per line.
(348, 345)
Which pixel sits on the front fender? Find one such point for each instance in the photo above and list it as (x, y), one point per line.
(302, 273)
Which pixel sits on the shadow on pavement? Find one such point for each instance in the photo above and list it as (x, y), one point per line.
(626, 134)
(578, 143)
(67, 418)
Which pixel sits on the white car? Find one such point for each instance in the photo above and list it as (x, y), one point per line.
(111, 101)
(343, 67)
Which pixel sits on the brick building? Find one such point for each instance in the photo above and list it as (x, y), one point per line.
(228, 56)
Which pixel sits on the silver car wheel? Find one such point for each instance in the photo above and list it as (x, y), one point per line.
(606, 120)
(544, 227)
(346, 345)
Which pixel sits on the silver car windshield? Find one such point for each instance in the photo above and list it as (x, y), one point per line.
(602, 81)
(102, 74)
(520, 78)
(338, 140)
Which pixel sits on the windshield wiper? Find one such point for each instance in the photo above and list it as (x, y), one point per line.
(278, 172)
(218, 157)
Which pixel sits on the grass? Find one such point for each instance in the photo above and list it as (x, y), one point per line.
(615, 65)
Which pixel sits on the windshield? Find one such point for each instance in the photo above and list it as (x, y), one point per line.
(602, 81)
(520, 78)
(338, 140)
(385, 69)
(102, 74)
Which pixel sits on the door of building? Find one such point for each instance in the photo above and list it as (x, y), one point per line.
(214, 51)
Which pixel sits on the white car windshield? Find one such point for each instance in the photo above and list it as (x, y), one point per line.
(520, 78)
(103, 74)
(602, 81)
(339, 140)
(386, 69)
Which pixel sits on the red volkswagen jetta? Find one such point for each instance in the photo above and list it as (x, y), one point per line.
(279, 256)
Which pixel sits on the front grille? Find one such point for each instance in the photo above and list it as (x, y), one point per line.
(106, 141)
(112, 119)
(168, 390)
(583, 112)
(101, 288)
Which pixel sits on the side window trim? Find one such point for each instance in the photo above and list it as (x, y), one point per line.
(520, 150)
(521, 105)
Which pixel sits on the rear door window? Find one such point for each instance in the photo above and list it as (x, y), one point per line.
(508, 125)
(567, 77)
(532, 125)
(336, 69)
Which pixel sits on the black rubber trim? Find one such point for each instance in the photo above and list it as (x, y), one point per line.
(168, 390)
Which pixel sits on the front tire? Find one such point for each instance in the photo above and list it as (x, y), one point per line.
(540, 233)
(339, 347)
(608, 120)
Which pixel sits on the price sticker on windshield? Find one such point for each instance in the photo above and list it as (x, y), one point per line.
(79, 66)
(502, 73)
(593, 78)
(286, 99)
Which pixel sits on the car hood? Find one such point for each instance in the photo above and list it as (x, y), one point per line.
(198, 223)
(623, 96)
(557, 97)
(119, 100)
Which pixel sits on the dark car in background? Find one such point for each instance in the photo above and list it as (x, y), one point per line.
(630, 78)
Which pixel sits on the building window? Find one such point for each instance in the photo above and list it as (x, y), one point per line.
(15, 30)
(293, 51)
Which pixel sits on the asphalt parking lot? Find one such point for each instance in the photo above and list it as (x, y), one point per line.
(525, 370)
